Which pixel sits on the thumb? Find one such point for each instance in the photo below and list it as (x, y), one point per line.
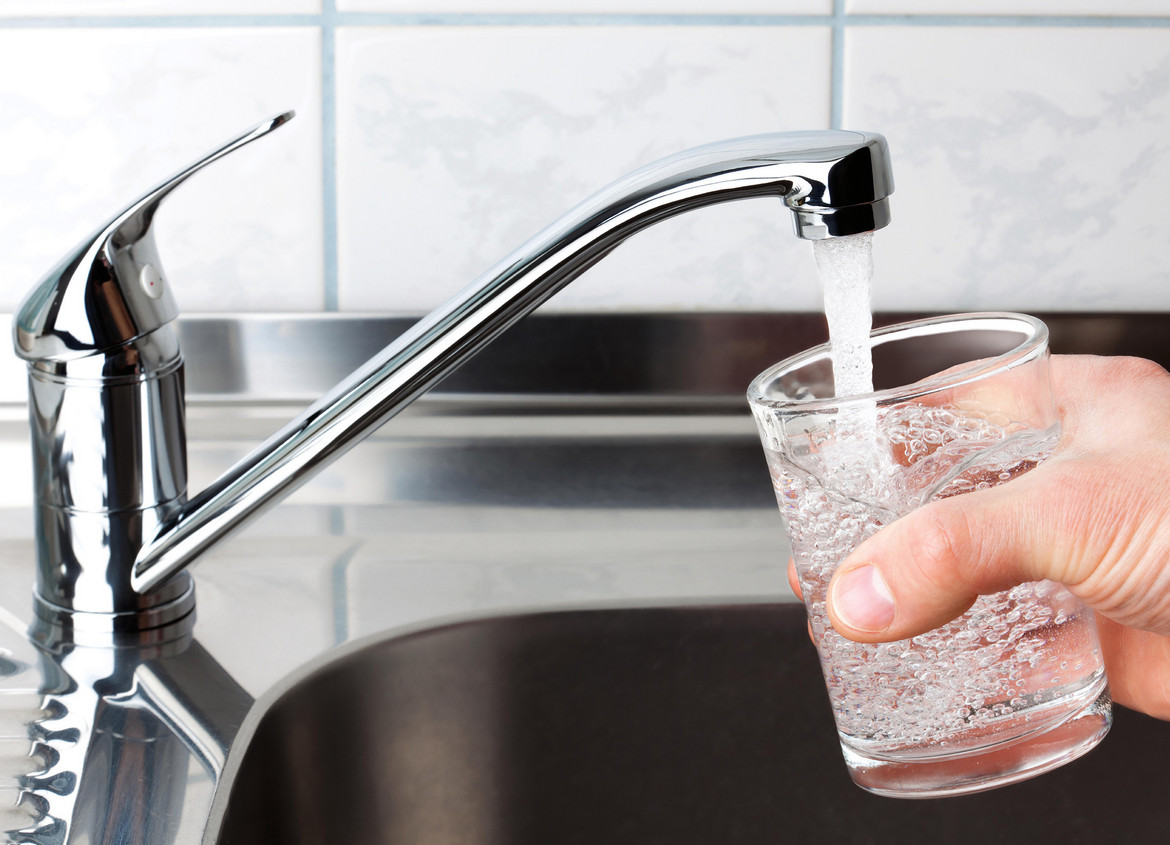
(1079, 525)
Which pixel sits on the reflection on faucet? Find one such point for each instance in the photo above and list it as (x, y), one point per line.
(123, 731)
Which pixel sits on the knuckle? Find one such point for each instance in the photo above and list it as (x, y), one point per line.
(1143, 367)
(941, 545)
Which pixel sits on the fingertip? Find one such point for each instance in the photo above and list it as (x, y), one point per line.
(867, 605)
(860, 602)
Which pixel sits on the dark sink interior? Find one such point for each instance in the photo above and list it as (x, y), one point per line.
(664, 725)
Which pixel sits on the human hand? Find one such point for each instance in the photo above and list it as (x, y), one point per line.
(1095, 516)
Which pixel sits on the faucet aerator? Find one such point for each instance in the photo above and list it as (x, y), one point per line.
(840, 222)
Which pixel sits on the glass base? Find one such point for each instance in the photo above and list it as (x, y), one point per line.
(988, 767)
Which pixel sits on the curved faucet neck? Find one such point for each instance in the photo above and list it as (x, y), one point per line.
(835, 182)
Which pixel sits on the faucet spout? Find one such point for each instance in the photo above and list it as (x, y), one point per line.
(835, 183)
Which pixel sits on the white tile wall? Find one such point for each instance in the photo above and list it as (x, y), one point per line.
(455, 145)
(91, 120)
(40, 8)
(1007, 7)
(1035, 180)
(424, 152)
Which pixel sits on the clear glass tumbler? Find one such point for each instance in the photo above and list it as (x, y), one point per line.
(1014, 687)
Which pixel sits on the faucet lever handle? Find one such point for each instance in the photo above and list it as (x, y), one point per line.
(110, 289)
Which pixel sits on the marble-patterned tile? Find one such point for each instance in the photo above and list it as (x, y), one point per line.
(1031, 164)
(1007, 7)
(455, 145)
(152, 8)
(596, 7)
(94, 119)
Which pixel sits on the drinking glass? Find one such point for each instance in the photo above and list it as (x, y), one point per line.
(1014, 687)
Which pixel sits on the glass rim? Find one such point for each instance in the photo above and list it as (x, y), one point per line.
(1035, 340)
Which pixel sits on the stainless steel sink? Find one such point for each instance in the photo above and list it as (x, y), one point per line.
(694, 724)
(615, 466)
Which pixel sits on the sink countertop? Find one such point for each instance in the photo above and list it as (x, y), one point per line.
(454, 514)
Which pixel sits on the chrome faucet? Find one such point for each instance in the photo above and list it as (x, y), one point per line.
(115, 529)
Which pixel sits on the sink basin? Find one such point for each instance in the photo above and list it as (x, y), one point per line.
(693, 724)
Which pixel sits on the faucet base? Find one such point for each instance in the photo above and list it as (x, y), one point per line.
(170, 616)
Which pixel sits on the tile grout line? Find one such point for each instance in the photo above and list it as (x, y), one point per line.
(332, 298)
(837, 66)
